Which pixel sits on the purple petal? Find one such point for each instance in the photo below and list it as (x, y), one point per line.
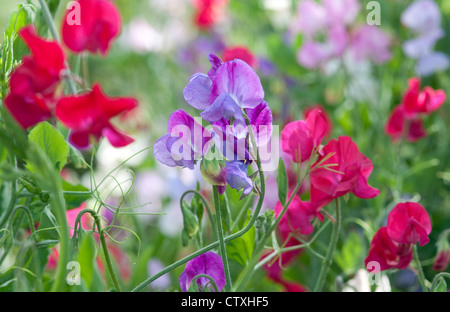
(237, 177)
(240, 81)
(261, 123)
(223, 107)
(183, 282)
(216, 62)
(422, 16)
(162, 154)
(197, 91)
(432, 63)
(208, 263)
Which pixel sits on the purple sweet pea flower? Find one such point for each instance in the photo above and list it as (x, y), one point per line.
(208, 263)
(185, 142)
(370, 42)
(237, 177)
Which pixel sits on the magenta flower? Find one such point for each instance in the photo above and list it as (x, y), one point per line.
(297, 218)
(88, 117)
(351, 171)
(209, 264)
(387, 253)
(300, 138)
(405, 119)
(409, 223)
(99, 24)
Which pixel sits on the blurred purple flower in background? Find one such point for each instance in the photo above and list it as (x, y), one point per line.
(329, 30)
(423, 18)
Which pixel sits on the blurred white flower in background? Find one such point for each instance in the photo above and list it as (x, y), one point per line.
(360, 283)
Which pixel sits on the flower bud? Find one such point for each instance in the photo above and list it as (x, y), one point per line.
(214, 171)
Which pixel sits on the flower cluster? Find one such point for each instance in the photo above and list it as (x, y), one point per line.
(336, 21)
(231, 98)
(405, 120)
(392, 245)
(35, 94)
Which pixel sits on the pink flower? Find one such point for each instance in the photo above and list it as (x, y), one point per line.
(99, 24)
(351, 170)
(388, 253)
(370, 42)
(88, 116)
(409, 223)
(300, 138)
(397, 126)
(34, 82)
(442, 260)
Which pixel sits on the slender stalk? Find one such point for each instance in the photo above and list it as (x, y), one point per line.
(331, 249)
(51, 26)
(220, 235)
(102, 240)
(420, 274)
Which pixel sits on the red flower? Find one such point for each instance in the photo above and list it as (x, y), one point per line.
(350, 174)
(208, 12)
(388, 253)
(99, 24)
(34, 82)
(409, 223)
(240, 52)
(88, 115)
(299, 138)
(404, 120)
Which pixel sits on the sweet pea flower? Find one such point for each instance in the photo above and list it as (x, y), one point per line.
(88, 116)
(297, 218)
(334, 20)
(300, 138)
(350, 173)
(182, 128)
(33, 83)
(208, 263)
(409, 223)
(237, 177)
(98, 25)
(405, 119)
(387, 253)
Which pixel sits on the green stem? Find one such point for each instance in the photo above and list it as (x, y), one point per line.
(103, 243)
(420, 274)
(51, 26)
(216, 243)
(331, 249)
(220, 235)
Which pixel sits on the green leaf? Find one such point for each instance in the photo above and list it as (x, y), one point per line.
(87, 258)
(74, 200)
(241, 248)
(48, 226)
(348, 258)
(19, 18)
(51, 141)
(282, 182)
